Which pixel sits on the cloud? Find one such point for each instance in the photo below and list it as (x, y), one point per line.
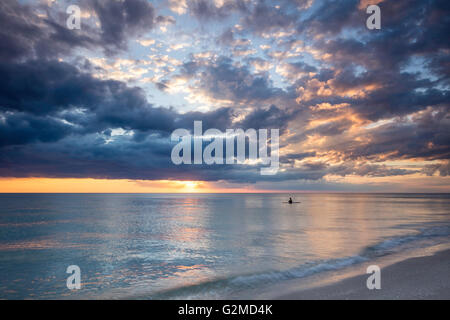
(20, 128)
(371, 170)
(206, 10)
(222, 80)
(442, 168)
(424, 135)
(331, 17)
(265, 18)
(25, 32)
(120, 20)
(348, 101)
(268, 118)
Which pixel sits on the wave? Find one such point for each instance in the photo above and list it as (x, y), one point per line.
(395, 243)
(223, 287)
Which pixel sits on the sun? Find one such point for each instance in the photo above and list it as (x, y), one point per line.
(190, 185)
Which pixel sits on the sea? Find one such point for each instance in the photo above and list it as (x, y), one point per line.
(200, 246)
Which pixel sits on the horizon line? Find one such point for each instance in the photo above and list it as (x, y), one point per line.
(256, 192)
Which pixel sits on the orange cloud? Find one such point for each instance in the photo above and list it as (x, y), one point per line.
(363, 4)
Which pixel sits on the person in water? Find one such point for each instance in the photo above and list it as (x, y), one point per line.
(290, 200)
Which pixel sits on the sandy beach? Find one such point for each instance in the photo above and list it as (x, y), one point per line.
(426, 277)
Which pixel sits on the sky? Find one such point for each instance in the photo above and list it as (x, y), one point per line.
(93, 109)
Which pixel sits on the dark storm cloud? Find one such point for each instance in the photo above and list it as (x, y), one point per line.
(268, 118)
(15, 33)
(23, 33)
(425, 136)
(20, 128)
(220, 119)
(59, 99)
(88, 156)
(45, 87)
(56, 121)
(399, 93)
(123, 19)
(223, 80)
(52, 88)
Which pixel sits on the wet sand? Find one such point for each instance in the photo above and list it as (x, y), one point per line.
(426, 277)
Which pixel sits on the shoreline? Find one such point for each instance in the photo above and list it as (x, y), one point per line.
(414, 278)
(416, 273)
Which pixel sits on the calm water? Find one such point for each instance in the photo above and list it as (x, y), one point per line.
(204, 246)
